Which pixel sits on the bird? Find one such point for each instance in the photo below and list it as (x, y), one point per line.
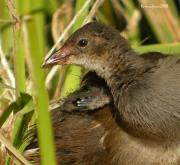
(79, 133)
(145, 93)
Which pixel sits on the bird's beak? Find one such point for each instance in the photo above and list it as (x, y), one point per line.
(60, 57)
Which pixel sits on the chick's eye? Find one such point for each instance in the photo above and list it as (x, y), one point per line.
(83, 42)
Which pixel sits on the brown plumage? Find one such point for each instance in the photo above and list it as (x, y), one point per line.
(79, 134)
(146, 93)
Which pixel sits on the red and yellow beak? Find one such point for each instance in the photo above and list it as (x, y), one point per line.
(60, 57)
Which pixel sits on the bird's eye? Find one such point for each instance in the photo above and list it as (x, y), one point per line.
(83, 42)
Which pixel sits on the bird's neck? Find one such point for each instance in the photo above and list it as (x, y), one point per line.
(127, 75)
(125, 68)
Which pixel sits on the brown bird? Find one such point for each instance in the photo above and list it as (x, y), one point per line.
(80, 134)
(146, 94)
(93, 95)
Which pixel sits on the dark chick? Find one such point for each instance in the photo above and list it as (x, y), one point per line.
(146, 93)
(80, 135)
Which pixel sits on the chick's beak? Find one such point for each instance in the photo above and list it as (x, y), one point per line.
(59, 57)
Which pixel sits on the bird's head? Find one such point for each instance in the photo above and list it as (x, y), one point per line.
(90, 47)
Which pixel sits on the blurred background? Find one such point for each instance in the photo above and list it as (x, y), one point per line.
(30, 28)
